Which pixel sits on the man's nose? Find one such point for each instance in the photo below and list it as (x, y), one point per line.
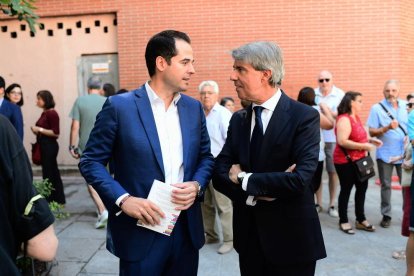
(191, 70)
(233, 76)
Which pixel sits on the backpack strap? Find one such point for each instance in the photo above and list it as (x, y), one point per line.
(392, 117)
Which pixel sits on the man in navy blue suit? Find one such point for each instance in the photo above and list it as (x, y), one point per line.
(153, 133)
(10, 110)
(276, 227)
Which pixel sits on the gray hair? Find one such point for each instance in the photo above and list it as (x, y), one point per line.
(95, 82)
(396, 82)
(209, 83)
(262, 55)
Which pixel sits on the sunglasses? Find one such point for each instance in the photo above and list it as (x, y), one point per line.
(410, 105)
(322, 80)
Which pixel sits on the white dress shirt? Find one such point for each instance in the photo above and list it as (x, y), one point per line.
(269, 107)
(218, 120)
(168, 127)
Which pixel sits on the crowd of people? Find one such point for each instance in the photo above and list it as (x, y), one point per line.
(264, 160)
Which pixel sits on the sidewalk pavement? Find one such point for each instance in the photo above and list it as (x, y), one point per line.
(82, 247)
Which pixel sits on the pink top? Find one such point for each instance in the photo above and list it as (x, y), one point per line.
(358, 134)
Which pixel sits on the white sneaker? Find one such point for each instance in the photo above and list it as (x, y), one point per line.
(102, 220)
(333, 212)
(225, 248)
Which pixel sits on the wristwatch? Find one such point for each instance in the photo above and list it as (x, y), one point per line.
(72, 147)
(240, 177)
(199, 191)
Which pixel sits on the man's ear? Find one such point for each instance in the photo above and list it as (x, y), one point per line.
(266, 75)
(160, 63)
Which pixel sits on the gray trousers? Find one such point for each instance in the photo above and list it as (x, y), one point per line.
(385, 173)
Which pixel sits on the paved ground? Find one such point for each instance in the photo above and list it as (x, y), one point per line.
(82, 247)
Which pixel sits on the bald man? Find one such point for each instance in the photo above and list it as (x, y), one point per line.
(327, 93)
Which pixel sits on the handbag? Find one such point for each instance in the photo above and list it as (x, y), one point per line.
(364, 167)
(36, 155)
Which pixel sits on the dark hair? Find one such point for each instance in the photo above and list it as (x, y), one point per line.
(109, 89)
(2, 82)
(409, 97)
(9, 89)
(344, 106)
(163, 44)
(307, 96)
(47, 97)
(121, 91)
(225, 100)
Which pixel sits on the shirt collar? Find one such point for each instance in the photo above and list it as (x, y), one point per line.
(334, 92)
(215, 107)
(271, 103)
(153, 97)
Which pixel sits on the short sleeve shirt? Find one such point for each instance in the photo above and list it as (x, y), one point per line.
(393, 139)
(84, 110)
(49, 120)
(332, 100)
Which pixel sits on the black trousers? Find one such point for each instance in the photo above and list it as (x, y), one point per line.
(317, 177)
(347, 179)
(49, 149)
(253, 262)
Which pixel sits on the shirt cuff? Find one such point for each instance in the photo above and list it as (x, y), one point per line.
(245, 180)
(251, 201)
(118, 201)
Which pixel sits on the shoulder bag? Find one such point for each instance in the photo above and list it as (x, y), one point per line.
(364, 167)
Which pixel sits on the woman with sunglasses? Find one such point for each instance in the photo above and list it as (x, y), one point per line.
(351, 137)
(14, 94)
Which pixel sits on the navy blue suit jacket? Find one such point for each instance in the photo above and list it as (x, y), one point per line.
(125, 131)
(288, 227)
(14, 114)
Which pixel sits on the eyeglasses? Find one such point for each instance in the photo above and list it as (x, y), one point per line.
(15, 93)
(410, 105)
(322, 80)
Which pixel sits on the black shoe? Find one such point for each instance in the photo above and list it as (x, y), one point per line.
(385, 222)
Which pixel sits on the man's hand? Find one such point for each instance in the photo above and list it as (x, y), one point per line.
(265, 198)
(234, 171)
(143, 210)
(185, 194)
(393, 124)
(74, 154)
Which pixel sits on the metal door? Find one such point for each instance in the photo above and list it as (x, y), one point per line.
(103, 65)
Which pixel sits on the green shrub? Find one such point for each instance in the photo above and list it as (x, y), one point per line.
(44, 187)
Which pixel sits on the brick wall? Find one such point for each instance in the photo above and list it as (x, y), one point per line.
(362, 43)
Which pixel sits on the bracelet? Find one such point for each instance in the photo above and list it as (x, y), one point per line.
(124, 200)
(72, 147)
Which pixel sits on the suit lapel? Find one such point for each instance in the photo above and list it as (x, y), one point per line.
(245, 138)
(147, 117)
(279, 120)
(185, 116)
